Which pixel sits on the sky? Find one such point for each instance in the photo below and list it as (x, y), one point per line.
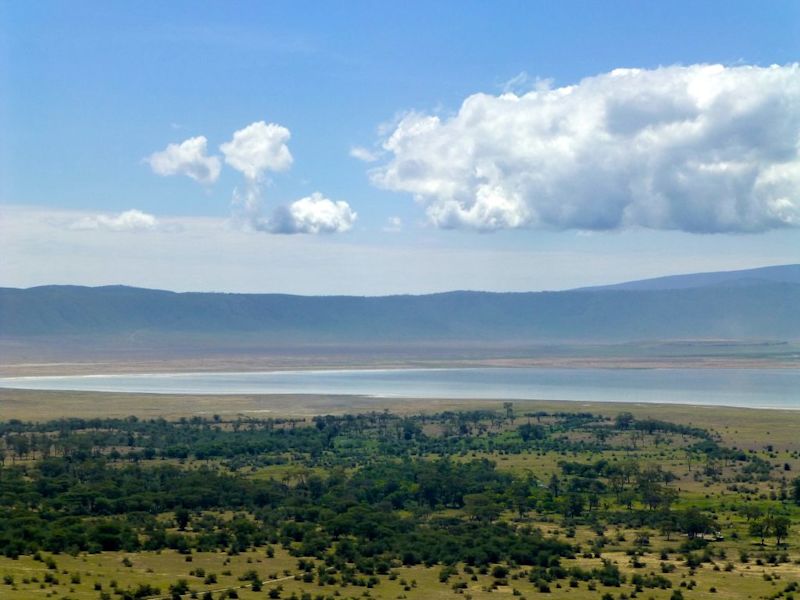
(384, 148)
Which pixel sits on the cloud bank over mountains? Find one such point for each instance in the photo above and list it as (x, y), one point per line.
(255, 151)
(701, 148)
(130, 220)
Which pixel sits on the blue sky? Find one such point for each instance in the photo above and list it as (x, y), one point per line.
(90, 91)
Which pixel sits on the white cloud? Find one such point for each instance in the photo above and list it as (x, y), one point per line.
(253, 151)
(313, 214)
(187, 158)
(364, 154)
(393, 225)
(258, 148)
(703, 148)
(130, 220)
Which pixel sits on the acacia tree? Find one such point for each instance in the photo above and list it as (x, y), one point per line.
(695, 523)
(624, 420)
(481, 507)
(760, 528)
(780, 528)
(519, 493)
(667, 523)
(182, 518)
(554, 485)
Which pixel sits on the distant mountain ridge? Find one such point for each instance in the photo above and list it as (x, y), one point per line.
(759, 303)
(772, 274)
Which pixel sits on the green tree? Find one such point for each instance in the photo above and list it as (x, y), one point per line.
(182, 517)
(796, 490)
(780, 528)
(481, 507)
(519, 495)
(624, 420)
(554, 485)
(573, 505)
(760, 528)
(695, 523)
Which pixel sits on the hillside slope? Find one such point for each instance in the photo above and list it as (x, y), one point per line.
(763, 310)
(746, 277)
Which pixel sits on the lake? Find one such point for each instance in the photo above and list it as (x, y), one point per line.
(764, 388)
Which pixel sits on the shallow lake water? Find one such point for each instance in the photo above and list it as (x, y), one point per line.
(772, 388)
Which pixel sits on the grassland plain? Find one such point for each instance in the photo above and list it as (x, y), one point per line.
(652, 560)
(749, 428)
(108, 571)
(82, 355)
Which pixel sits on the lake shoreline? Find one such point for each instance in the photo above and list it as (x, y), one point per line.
(745, 387)
(303, 363)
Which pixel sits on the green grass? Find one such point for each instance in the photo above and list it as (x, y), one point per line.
(162, 569)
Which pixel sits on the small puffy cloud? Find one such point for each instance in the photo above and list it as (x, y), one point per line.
(254, 151)
(258, 148)
(187, 158)
(364, 154)
(393, 225)
(701, 148)
(313, 214)
(130, 220)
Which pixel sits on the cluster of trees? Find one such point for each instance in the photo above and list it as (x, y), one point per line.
(626, 421)
(585, 484)
(375, 513)
(371, 495)
(766, 521)
(351, 436)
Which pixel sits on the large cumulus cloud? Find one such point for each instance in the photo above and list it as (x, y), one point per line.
(701, 148)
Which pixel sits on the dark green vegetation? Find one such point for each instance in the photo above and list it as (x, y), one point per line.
(747, 307)
(355, 498)
(372, 471)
